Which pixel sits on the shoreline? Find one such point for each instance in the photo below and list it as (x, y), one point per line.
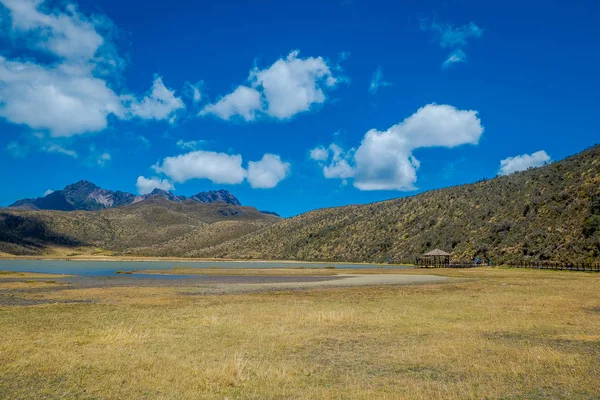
(4, 256)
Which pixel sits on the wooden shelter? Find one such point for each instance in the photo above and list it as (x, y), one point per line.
(436, 257)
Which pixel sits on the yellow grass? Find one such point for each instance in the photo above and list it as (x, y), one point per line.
(498, 334)
(27, 275)
(289, 271)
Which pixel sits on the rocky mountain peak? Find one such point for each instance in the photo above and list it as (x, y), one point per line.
(85, 195)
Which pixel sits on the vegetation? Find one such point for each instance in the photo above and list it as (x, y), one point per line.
(548, 213)
(152, 227)
(506, 334)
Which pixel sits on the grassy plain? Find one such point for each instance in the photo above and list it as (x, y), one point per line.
(494, 333)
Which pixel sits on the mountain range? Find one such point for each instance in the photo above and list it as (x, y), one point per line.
(85, 195)
(547, 213)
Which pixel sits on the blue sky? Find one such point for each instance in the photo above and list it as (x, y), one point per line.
(291, 106)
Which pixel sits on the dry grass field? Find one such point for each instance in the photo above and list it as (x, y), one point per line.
(493, 333)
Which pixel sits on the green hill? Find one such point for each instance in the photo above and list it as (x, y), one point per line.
(145, 228)
(548, 213)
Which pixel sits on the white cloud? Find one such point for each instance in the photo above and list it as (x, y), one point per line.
(523, 162)
(457, 56)
(339, 166)
(453, 37)
(194, 91)
(216, 167)
(190, 144)
(55, 148)
(103, 159)
(69, 94)
(159, 104)
(67, 34)
(334, 161)
(222, 168)
(292, 85)
(384, 159)
(289, 86)
(319, 153)
(377, 81)
(64, 100)
(244, 102)
(268, 172)
(47, 192)
(147, 185)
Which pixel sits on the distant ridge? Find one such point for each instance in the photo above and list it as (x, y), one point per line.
(153, 226)
(86, 196)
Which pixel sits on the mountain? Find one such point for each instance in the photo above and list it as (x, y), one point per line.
(84, 195)
(547, 213)
(154, 226)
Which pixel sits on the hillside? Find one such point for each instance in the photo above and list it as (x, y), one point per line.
(548, 213)
(144, 228)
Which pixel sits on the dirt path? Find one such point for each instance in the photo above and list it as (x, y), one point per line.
(17, 290)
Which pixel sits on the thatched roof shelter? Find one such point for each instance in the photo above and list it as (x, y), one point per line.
(436, 257)
(436, 252)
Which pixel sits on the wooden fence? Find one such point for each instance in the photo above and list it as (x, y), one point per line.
(590, 267)
(425, 263)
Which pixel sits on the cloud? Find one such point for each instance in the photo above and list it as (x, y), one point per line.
(289, 86)
(452, 37)
(160, 103)
(69, 93)
(147, 185)
(97, 158)
(190, 144)
(384, 159)
(268, 172)
(343, 56)
(292, 85)
(194, 91)
(16, 150)
(39, 143)
(68, 34)
(334, 161)
(143, 140)
(47, 192)
(103, 159)
(377, 81)
(523, 162)
(243, 102)
(216, 167)
(222, 168)
(339, 165)
(319, 153)
(55, 148)
(65, 100)
(457, 56)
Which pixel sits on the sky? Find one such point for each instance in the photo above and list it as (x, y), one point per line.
(291, 106)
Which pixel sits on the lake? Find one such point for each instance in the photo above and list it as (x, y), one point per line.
(108, 268)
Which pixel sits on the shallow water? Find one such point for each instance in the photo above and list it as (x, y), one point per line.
(110, 268)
